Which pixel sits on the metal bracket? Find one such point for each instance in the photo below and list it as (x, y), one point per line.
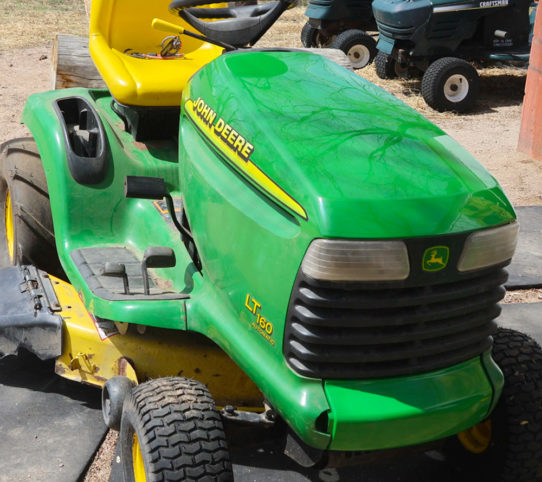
(38, 284)
(81, 361)
(265, 419)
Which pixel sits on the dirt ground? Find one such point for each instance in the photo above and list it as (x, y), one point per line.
(490, 132)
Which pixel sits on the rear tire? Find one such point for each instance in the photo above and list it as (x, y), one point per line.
(309, 35)
(359, 47)
(171, 430)
(508, 446)
(385, 66)
(450, 84)
(27, 228)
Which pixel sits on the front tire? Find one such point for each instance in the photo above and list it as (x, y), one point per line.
(309, 35)
(171, 430)
(359, 47)
(26, 221)
(450, 84)
(114, 392)
(385, 66)
(507, 447)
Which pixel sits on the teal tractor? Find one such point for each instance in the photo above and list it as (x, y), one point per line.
(441, 39)
(342, 25)
(214, 246)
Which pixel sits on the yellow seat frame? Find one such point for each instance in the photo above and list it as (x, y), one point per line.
(118, 25)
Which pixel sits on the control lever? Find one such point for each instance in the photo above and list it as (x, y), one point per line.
(169, 27)
(117, 270)
(143, 187)
(156, 257)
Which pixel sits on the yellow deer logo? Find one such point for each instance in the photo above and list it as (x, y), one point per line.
(435, 258)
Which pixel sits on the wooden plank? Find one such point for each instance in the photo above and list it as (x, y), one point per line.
(336, 55)
(72, 64)
(87, 8)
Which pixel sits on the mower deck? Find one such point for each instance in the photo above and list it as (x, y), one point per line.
(52, 322)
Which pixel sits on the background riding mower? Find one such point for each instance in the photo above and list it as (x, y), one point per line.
(337, 287)
(342, 25)
(442, 38)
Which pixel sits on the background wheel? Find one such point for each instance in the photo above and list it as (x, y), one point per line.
(385, 66)
(357, 45)
(309, 35)
(114, 392)
(450, 84)
(26, 223)
(507, 447)
(171, 430)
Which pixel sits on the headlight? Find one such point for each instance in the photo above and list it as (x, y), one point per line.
(489, 247)
(340, 260)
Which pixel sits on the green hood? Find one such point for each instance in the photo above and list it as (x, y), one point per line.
(346, 156)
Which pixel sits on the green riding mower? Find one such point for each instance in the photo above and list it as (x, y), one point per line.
(342, 25)
(216, 247)
(441, 39)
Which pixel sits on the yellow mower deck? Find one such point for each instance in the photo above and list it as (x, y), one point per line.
(95, 350)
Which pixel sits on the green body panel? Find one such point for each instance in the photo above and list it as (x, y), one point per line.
(357, 161)
(410, 410)
(367, 167)
(496, 377)
(100, 215)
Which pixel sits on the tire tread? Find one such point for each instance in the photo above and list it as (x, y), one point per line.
(309, 35)
(181, 429)
(520, 359)
(348, 38)
(515, 450)
(433, 82)
(22, 171)
(384, 66)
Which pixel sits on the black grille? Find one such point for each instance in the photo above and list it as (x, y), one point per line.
(395, 31)
(357, 331)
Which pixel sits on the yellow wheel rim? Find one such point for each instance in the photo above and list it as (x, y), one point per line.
(8, 220)
(476, 439)
(137, 461)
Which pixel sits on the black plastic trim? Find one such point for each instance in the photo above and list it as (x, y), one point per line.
(361, 330)
(149, 123)
(86, 142)
(28, 313)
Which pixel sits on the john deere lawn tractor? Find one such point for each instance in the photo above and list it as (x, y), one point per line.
(215, 246)
(342, 25)
(441, 38)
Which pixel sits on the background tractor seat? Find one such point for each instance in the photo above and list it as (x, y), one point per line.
(238, 26)
(119, 25)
